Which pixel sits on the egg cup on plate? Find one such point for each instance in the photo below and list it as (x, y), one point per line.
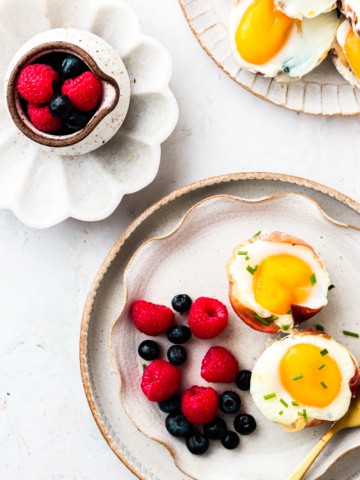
(305, 379)
(276, 281)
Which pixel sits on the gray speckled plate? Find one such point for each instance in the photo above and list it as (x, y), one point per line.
(106, 298)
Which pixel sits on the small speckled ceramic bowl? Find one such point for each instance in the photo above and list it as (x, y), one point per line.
(102, 60)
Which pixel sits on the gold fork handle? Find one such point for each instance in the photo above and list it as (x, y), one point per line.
(304, 466)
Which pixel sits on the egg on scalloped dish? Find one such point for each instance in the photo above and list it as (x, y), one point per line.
(264, 40)
(276, 281)
(347, 49)
(304, 379)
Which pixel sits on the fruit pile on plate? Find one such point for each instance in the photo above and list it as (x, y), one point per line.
(287, 39)
(59, 94)
(197, 406)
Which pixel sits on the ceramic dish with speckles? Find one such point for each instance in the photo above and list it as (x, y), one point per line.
(321, 92)
(192, 259)
(43, 188)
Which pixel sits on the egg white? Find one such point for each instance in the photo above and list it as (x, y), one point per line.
(305, 8)
(303, 51)
(340, 60)
(258, 251)
(266, 379)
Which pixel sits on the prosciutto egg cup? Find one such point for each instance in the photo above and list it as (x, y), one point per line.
(304, 379)
(285, 273)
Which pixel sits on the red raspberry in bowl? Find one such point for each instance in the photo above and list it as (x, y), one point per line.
(219, 366)
(35, 83)
(199, 404)
(84, 91)
(160, 380)
(150, 318)
(208, 318)
(42, 119)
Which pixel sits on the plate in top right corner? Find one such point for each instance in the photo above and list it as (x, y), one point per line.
(322, 92)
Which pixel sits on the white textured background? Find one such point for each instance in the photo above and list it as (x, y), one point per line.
(46, 429)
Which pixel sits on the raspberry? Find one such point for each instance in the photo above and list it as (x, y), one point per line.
(219, 366)
(160, 380)
(42, 119)
(84, 91)
(35, 83)
(199, 404)
(208, 318)
(151, 319)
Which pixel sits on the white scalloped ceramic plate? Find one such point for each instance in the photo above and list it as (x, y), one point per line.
(43, 189)
(322, 92)
(192, 259)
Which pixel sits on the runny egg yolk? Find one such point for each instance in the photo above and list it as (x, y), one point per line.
(352, 52)
(280, 282)
(262, 32)
(310, 378)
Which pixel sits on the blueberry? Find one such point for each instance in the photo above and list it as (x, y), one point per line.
(149, 350)
(171, 405)
(76, 120)
(178, 425)
(72, 67)
(229, 402)
(181, 303)
(197, 443)
(243, 380)
(60, 106)
(177, 355)
(216, 429)
(178, 334)
(231, 440)
(245, 424)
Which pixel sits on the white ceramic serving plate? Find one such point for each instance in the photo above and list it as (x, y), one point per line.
(322, 92)
(42, 188)
(106, 299)
(192, 259)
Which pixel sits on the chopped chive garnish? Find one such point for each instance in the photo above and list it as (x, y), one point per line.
(303, 414)
(281, 412)
(296, 404)
(269, 395)
(143, 366)
(289, 312)
(265, 321)
(252, 270)
(241, 252)
(261, 320)
(323, 384)
(285, 327)
(313, 279)
(320, 328)
(247, 258)
(331, 287)
(324, 352)
(284, 403)
(320, 367)
(297, 377)
(257, 234)
(351, 334)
